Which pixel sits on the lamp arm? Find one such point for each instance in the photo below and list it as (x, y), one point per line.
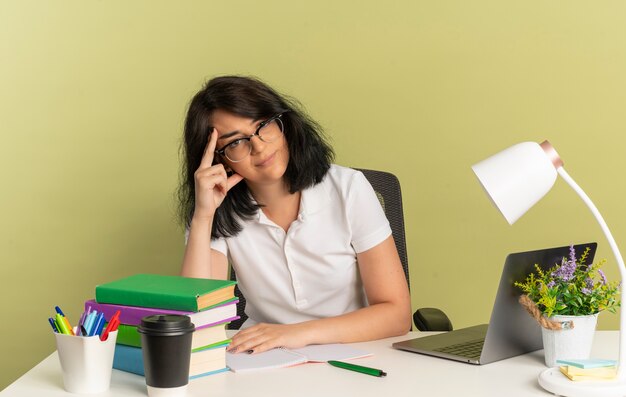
(621, 371)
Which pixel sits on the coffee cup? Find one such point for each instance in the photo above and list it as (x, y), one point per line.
(166, 346)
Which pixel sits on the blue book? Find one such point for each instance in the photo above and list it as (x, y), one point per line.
(588, 363)
(217, 371)
(130, 359)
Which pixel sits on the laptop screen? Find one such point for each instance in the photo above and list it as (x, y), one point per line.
(512, 331)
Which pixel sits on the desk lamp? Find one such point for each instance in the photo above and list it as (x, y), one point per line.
(517, 178)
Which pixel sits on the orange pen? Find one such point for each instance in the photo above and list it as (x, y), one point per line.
(67, 324)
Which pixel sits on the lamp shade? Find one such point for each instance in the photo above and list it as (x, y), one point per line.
(517, 178)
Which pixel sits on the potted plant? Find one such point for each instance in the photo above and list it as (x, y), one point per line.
(566, 300)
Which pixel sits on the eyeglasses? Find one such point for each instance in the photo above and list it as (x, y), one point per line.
(267, 131)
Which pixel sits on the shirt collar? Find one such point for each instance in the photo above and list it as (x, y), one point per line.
(312, 200)
(315, 198)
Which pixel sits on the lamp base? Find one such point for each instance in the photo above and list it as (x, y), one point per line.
(555, 382)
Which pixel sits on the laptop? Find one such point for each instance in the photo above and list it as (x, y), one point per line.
(511, 330)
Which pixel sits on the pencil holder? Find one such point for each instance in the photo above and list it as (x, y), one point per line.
(86, 362)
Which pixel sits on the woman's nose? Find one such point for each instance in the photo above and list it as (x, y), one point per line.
(256, 144)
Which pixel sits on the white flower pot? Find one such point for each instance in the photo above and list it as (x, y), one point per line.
(574, 343)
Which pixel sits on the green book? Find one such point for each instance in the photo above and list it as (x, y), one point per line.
(128, 335)
(166, 292)
(202, 339)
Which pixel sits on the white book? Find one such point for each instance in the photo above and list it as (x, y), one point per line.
(208, 336)
(202, 356)
(282, 357)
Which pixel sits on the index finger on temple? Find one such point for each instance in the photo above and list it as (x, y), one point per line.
(209, 151)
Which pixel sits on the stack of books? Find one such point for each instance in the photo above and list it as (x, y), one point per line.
(210, 304)
(588, 369)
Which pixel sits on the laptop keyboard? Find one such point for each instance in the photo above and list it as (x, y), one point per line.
(470, 349)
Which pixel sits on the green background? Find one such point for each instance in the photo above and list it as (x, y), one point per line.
(93, 95)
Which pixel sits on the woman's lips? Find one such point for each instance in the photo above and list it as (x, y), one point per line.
(267, 160)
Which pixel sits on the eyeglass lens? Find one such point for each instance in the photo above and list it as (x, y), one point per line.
(268, 132)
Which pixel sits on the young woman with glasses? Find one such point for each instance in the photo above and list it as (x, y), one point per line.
(308, 239)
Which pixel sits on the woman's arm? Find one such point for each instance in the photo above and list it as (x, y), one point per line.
(211, 186)
(388, 313)
(200, 261)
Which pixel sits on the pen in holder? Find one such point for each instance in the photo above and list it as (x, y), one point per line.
(86, 362)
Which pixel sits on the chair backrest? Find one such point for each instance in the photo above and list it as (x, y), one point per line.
(387, 188)
(241, 306)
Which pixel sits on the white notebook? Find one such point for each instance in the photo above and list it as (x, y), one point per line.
(281, 357)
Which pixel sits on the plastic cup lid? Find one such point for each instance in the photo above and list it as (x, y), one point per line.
(166, 324)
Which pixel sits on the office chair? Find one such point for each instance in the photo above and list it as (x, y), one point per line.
(241, 306)
(387, 188)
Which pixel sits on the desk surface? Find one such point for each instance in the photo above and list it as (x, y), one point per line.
(409, 374)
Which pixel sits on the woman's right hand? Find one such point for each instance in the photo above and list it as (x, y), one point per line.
(212, 183)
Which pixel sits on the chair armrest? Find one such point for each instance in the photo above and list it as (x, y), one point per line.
(431, 319)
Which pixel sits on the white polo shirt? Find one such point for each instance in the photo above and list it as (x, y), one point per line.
(311, 271)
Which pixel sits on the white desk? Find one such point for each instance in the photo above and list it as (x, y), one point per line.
(409, 374)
